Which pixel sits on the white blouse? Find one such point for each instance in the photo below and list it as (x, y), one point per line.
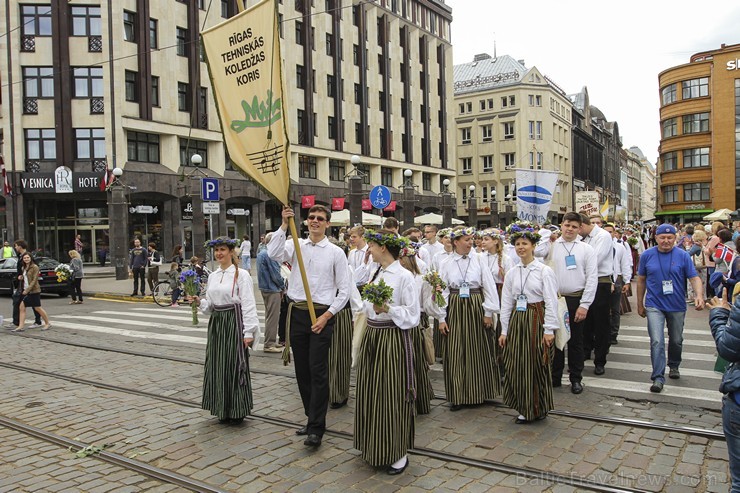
(219, 292)
(439, 259)
(540, 284)
(426, 299)
(471, 269)
(492, 262)
(404, 308)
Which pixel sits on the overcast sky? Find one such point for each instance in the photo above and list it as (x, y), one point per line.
(616, 50)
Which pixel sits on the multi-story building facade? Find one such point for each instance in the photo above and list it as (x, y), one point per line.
(92, 86)
(509, 116)
(644, 187)
(633, 204)
(699, 165)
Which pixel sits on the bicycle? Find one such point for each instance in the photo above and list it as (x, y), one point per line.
(162, 293)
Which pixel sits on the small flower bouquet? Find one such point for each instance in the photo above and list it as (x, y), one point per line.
(632, 241)
(438, 285)
(191, 285)
(378, 293)
(64, 272)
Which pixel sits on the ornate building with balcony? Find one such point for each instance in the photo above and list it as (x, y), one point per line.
(699, 164)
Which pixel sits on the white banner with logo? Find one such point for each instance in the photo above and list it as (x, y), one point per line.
(534, 192)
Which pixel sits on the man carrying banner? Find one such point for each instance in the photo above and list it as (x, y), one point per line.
(328, 279)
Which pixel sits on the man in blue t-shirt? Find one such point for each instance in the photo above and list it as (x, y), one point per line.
(664, 269)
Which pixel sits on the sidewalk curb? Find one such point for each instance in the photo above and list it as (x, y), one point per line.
(120, 297)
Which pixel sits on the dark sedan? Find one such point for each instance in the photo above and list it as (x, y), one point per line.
(47, 276)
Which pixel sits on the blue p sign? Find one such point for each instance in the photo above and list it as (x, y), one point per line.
(209, 189)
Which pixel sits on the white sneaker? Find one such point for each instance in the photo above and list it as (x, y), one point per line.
(36, 326)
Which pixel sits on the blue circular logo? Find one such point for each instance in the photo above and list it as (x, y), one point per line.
(380, 197)
(532, 194)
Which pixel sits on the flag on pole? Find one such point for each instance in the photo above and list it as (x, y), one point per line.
(243, 57)
(605, 210)
(723, 252)
(7, 189)
(534, 192)
(105, 181)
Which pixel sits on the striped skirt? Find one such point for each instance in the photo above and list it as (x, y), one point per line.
(340, 356)
(528, 362)
(424, 392)
(223, 394)
(384, 414)
(469, 353)
(437, 339)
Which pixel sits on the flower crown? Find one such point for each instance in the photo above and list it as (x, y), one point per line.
(459, 233)
(444, 232)
(410, 250)
(387, 239)
(221, 240)
(522, 230)
(491, 233)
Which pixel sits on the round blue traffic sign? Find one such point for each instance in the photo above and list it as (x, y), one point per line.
(380, 197)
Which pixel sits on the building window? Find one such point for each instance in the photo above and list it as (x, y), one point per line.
(535, 130)
(386, 176)
(698, 122)
(670, 161)
(299, 32)
(487, 133)
(695, 192)
(358, 133)
(183, 99)
(535, 100)
(508, 130)
(381, 101)
(182, 39)
(301, 123)
(153, 34)
(188, 148)
(129, 26)
(487, 164)
(300, 80)
(38, 82)
(36, 20)
(696, 158)
(467, 165)
(695, 88)
(490, 103)
(155, 91)
(329, 44)
(225, 9)
(331, 124)
(88, 82)
(330, 86)
(464, 195)
(280, 25)
(507, 101)
(468, 105)
(41, 144)
(670, 194)
(337, 170)
(143, 147)
(86, 21)
(668, 94)
(670, 128)
(509, 160)
(426, 182)
(131, 91)
(465, 135)
(482, 103)
(462, 108)
(306, 166)
(90, 143)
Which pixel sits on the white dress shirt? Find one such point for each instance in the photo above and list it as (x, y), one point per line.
(403, 309)
(439, 259)
(583, 277)
(538, 283)
(432, 249)
(622, 261)
(492, 262)
(471, 269)
(361, 270)
(326, 270)
(601, 241)
(222, 291)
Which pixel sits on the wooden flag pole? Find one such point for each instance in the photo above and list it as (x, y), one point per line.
(240, 5)
(299, 256)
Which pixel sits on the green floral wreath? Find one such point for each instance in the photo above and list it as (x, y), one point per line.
(459, 233)
(221, 240)
(444, 232)
(522, 230)
(387, 239)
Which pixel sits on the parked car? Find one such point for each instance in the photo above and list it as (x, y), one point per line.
(47, 276)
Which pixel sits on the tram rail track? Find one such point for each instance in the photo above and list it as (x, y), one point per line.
(613, 420)
(169, 476)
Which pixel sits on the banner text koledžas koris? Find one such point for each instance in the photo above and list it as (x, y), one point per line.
(245, 68)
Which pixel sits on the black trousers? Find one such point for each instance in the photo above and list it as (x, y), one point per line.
(615, 309)
(597, 329)
(282, 319)
(139, 276)
(77, 288)
(575, 347)
(311, 355)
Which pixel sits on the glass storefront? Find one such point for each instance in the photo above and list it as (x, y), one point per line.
(54, 225)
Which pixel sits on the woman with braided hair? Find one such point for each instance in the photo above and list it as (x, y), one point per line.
(233, 327)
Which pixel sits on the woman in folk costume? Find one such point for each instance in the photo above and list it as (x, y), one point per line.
(528, 318)
(499, 263)
(443, 235)
(384, 412)
(424, 391)
(232, 328)
(469, 350)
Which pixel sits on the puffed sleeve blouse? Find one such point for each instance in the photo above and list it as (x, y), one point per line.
(222, 290)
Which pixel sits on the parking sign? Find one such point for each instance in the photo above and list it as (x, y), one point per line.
(209, 189)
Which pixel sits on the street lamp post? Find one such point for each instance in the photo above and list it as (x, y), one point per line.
(198, 232)
(507, 199)
(118, 225)
(446, 204)
(408, 199)
(472, 207)
(494, 209)
(355, 193)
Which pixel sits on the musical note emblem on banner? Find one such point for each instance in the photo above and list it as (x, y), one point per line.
(267, 160)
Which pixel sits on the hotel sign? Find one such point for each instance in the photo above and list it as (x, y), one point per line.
(733, 64)
(62, 180)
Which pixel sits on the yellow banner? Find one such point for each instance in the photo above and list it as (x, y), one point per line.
(243, 56)
(605, 210)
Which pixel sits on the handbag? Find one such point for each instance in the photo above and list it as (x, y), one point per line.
(358, 333)
(428, 345)
(155, 263)
(562, 335)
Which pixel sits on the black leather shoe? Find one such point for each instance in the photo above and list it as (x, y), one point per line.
(576, 387)
(394, 471)
(337, 405)
(301, 431)
(312, 440)
(614, 342)
(599, 370)
(455, 407)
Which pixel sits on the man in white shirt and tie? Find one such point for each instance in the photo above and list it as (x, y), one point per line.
(596, 333)
(622, 278)
(432, 247)
(328, 279)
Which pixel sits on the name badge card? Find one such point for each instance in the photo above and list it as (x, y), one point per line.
(465, 290)
(667, 287)
(570, 262)
(521, 303)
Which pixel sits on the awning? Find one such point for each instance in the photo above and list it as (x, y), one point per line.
(695, 211)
